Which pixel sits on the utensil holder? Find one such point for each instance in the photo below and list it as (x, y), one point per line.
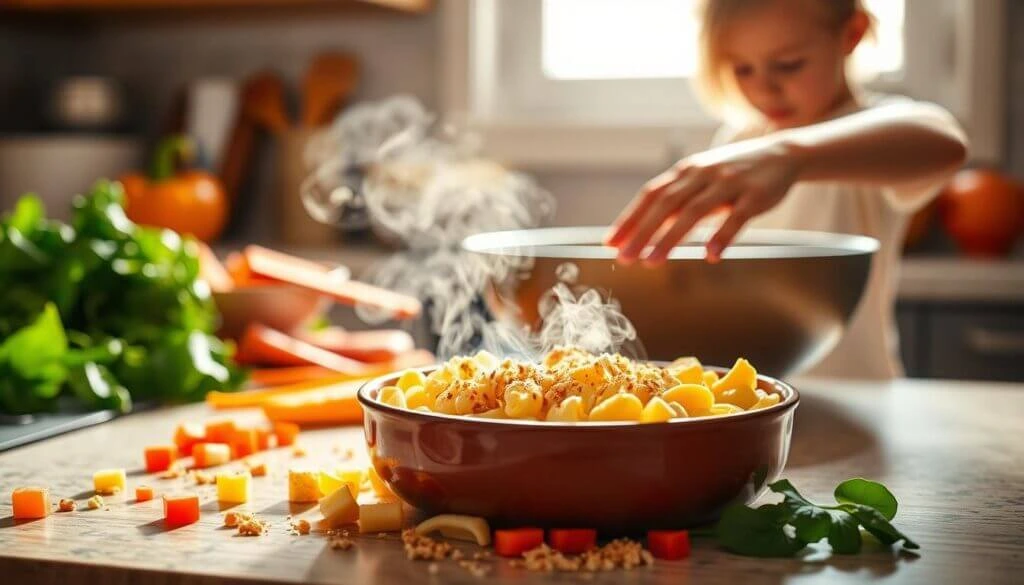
(295, 226)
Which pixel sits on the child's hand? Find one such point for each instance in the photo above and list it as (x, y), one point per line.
(749, 178)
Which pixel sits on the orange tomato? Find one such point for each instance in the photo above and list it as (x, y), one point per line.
(983, 211)
(190, 202)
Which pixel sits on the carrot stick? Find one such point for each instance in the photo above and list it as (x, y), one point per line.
(300, 272)
(289, 375)
(222, 400)
(378, 345)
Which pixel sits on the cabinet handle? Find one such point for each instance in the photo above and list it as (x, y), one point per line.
(992, 342)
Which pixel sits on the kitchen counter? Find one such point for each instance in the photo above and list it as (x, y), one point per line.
(950, 451)
(922, 278)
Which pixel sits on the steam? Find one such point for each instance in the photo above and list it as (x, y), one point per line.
(424, 184)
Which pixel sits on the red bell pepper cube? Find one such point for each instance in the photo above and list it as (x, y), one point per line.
(513, 543)
(669, 545)
(572, 541)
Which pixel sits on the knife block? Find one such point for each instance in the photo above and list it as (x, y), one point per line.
(295, 226)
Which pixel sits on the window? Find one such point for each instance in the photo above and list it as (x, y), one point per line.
(599, 82)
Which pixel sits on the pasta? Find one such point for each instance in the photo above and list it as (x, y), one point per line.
(572, 385)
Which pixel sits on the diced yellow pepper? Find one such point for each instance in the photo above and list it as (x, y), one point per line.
(416, 397)
(657, 410)
(109, 481)
(380, 517)
(687, 370)
(622, 406)
(695, 398)
(458, 527)
(234, 488)
(742, 397)
(329, 482)
(303, 486)
(392, 396)
(411, 378)
(339, 508)
(568, 410)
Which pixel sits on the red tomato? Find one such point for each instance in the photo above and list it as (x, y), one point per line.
(983, 211)
(572, 541)
(669, 545)
(513, 543)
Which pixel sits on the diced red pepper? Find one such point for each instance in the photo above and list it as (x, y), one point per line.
(159, 457)
(181, 509)
(513, 543)
(669, 545)
(572, 541)
(219, 431)
(187, 435)
(286, 433)
(244, 442)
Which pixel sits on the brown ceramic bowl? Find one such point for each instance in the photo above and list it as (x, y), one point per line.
(278, 305)
(617, 477)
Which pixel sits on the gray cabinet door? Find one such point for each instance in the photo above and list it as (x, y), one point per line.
(975, 343)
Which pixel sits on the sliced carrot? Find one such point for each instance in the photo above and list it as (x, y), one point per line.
(160, 457)
(266, 346)
(248, 398)
(212, 271)
(300, 272)
(379, 345)
(290, 375)
(238, 269)
(335, 404)
(219, 431)
(286, 433)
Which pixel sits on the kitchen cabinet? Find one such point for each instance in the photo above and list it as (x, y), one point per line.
(976, 341)
(142, 5)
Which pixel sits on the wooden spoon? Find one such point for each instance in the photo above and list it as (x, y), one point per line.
(330, 80)
(265, 102)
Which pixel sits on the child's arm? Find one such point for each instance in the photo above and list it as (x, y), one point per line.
(893, 145)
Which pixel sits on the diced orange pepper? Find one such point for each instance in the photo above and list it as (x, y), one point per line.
(286, 433)
(220, 431)
(244, 442)
(31, 502)
(266, 439)
(143, 493)
(181, 509)
(514, 542)
(210, 454)
(160, 457)
(187, 435)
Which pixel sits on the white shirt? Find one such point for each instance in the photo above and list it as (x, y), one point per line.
(870, 346)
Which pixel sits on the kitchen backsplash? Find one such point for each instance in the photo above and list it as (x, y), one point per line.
(154, 56)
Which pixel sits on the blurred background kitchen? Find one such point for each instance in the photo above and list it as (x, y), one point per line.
(89, 87)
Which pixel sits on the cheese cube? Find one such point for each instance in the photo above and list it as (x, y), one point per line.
(339, 508)
(380, 517)
(160, 457)
(31, 502)
(303, 486)
(109, 481)
(181, 509)
(210, 454)
(234, 488)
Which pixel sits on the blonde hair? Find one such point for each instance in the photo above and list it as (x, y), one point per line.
(715, 87)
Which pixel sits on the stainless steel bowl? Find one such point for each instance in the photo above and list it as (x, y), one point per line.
(780, 298)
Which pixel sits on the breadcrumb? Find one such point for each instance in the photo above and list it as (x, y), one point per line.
(66, 505)
(95, 502)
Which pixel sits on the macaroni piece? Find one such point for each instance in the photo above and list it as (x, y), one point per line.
(572, 385)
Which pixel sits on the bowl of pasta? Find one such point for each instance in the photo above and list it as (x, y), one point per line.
(576, 439)
(780, 297)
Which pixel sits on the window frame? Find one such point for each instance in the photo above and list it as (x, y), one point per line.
(968, 79)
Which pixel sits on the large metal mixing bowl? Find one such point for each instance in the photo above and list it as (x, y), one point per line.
(780, 298)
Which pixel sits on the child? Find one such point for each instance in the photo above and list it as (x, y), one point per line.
(813, 154)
